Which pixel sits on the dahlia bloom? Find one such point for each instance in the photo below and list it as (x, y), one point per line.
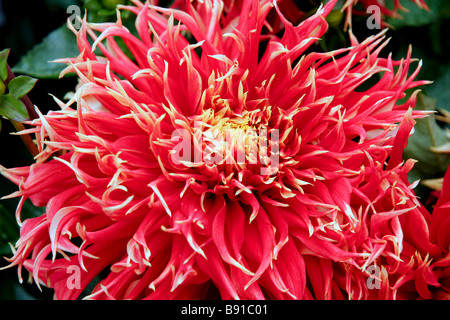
(217, 159)
(425, 274)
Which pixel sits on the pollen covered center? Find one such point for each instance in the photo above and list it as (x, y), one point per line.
(237, 142)
(229, 143)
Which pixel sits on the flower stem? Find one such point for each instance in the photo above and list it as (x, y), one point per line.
(31, 113)
(26, 138)
(25, 99)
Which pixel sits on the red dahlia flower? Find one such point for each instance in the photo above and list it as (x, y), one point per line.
(221, 160)
(423, 272)
(429, 271)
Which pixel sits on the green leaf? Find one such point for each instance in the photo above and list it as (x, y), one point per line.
(12, 108)
(444, 10)
(4, 64)
(9, 230)
(112, 4)
(2, 88)
(427, 134)
(414, 16)
(20, 86)
(60, 4)
(439, 89)
(92, 5)
(60, 43)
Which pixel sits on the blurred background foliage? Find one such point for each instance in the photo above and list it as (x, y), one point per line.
(36, 32)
